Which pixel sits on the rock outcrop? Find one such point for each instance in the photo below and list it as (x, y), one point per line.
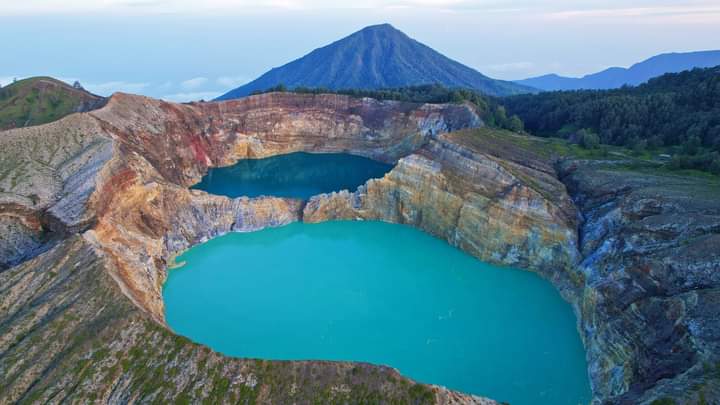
(499, 210)
(651, 263)
(47, 174)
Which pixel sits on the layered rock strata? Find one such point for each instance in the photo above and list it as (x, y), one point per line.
(84, 320)
(47, 174)
(94, 208)
(484, 204)
(650, 301)
(146, 214)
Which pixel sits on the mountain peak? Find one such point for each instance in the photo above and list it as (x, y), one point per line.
(380, 33)
(384, 27)
(375, 57)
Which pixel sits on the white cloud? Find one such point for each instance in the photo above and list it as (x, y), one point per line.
(669, 14)
(166, 85)
(231, 81)
(5, 80)
(666, 10)
(107, 88)
(189, 90)
(177, 5)
(103, 88)
(225, 6)
(193, 83)
(509, 67)
(191, 96)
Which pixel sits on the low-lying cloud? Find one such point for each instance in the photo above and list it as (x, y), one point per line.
(194, 89)
(194, 83)
(108, 88)
(550, 8)
(192, 96)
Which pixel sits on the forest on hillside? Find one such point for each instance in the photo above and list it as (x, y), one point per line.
(677, 112)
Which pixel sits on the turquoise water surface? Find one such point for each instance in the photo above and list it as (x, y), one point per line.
(295, 175)
(385, 294)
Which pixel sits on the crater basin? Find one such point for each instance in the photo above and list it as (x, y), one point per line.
(295, 175)
(385, 294)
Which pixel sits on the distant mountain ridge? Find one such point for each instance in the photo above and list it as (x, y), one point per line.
(376, 57)
(636, 74)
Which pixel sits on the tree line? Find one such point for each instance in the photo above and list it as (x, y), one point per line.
(676, 112)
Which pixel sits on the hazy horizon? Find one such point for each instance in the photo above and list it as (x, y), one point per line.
(177, 50)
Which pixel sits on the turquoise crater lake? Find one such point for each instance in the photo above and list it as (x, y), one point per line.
(294, 175)
(385, 294)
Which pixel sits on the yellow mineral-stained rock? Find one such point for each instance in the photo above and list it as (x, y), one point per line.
(469, 199)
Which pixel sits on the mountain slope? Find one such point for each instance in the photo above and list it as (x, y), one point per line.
(39, 100)
(636, 74)
(375, 57)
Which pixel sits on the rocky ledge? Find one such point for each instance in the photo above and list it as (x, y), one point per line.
(96, 206)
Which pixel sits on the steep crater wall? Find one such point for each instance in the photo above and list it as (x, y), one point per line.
(145, 212)
(650, 245)
(67, 333)
(120, 176)
(506, 209)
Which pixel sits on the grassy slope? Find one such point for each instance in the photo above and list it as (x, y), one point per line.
(40, 100)
(617, 158)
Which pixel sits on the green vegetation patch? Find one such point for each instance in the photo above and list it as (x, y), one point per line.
(40, 100)
(504, 143)
(677, 115)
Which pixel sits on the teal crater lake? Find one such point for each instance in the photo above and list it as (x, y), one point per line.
(294, 175)
(384, 294)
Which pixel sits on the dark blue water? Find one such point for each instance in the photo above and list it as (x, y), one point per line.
(385, 294)
(295, 175)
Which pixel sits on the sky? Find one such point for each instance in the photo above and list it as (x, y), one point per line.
(183, 50)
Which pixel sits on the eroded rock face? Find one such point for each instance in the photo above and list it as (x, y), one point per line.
(182, 141)
(69, 331)
(96, 206)
(477, 202)
(153, 222)
(146, 214)
(651, 298)
(47, 175)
